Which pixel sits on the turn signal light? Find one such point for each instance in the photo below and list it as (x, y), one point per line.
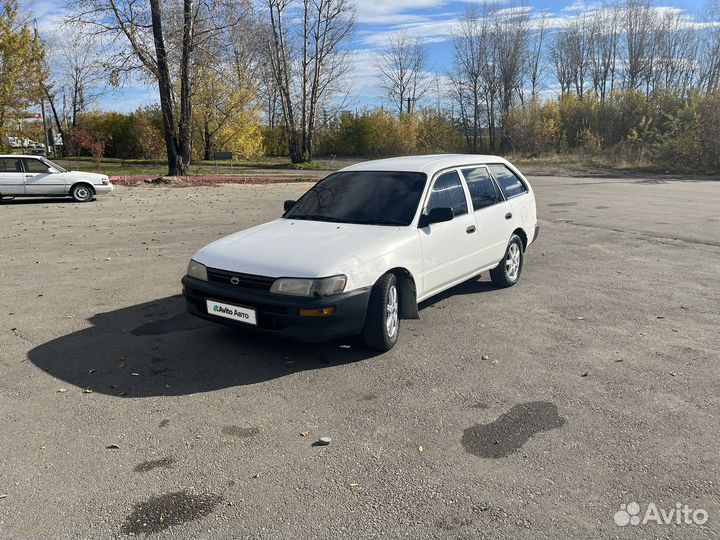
(321, 312)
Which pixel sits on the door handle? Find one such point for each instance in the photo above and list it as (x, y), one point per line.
(508, 215)
(471, 229)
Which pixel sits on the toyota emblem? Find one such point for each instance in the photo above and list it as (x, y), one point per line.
(234, 280)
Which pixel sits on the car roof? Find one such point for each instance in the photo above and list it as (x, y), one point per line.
(429, 164)
(19, 156)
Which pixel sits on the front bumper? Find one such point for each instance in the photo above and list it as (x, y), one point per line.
(103, 189)
(279, 315)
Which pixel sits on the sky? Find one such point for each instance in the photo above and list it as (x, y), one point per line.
(429, 20)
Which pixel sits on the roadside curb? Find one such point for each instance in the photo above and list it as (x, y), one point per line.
(130, 180)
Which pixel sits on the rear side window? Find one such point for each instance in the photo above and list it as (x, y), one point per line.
(447, 191)
(483, 190)
(35, 166)
(511, 185)
(10, 165)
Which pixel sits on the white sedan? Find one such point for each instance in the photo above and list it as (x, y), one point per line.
(35, 176)
(359, 250)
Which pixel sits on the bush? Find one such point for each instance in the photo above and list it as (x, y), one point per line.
(534, 129)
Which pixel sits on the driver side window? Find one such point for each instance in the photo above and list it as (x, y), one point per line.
(447, 191)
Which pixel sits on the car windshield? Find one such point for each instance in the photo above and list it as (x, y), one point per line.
(365, 197)
(55, 166)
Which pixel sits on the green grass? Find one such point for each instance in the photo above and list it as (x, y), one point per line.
(152, 166)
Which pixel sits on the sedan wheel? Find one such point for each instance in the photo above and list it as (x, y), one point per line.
(382, 321)
(82, 193)
(391, 317)
(507, 273)
(512, 262)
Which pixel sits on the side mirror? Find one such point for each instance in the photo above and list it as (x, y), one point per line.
(51, 170)
(288, 205)
(437, 215)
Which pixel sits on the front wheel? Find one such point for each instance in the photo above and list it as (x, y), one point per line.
(382, 322)
(507, 273)
(82, 193)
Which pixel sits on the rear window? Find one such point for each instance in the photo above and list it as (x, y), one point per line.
(511, 185)
(10, 165)
(483, 190)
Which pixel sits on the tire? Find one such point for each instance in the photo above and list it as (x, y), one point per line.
(507, 273)
(82, 193)
(382, 321)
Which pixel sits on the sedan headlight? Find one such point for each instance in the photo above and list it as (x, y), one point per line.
(197, 270)
(310, 287)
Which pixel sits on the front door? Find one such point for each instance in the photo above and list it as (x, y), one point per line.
(12, 177)
(449, 249)
(40, 181)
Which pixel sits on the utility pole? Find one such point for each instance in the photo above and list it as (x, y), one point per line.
(42, 103)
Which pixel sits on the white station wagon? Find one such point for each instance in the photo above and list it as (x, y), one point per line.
(35, 176)
(359, 250)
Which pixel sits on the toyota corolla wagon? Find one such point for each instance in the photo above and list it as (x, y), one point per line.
(359, 250)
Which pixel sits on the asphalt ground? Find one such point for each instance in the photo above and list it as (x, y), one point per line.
(121, 415)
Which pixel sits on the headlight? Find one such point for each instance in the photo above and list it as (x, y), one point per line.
(309, 287)
(197, 270)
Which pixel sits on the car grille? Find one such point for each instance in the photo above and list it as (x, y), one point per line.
(242, 281)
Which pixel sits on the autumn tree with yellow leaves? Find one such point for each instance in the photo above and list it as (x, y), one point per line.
(21, 68)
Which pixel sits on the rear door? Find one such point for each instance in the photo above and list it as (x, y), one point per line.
(12, 177)
(40, 181)
(517, 194)
(449, 249)
(493, 215)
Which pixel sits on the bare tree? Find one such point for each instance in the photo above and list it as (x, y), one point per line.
(675, 52)
(709, 57)
(638, 26)
(511, 31)
(561, 58)
(536, 62)
(469, 53)
(571, 55)
(78, 71)
(511, 34)
(308, 68)
(603, 48)
(160, 39)
(401, 68)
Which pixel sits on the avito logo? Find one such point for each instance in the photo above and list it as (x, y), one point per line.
(680, 514)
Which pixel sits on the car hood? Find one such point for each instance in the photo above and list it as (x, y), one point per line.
(95, 178)
(296, 248)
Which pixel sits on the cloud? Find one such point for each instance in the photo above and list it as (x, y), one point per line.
(48, 14)
(384, 11)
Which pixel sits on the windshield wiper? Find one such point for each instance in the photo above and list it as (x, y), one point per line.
(380, 221)
(312, 217)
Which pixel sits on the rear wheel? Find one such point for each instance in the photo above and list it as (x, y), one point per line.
(507, 273)
(82, 193)
(382, 322)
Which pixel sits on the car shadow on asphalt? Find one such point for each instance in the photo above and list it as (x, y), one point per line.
(157, 349)
(471, 286)
(36, 200)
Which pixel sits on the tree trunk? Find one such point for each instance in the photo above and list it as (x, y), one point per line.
(296, 150)
(164, 88)
(208, 139)
(58, 124)
(185, 136)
